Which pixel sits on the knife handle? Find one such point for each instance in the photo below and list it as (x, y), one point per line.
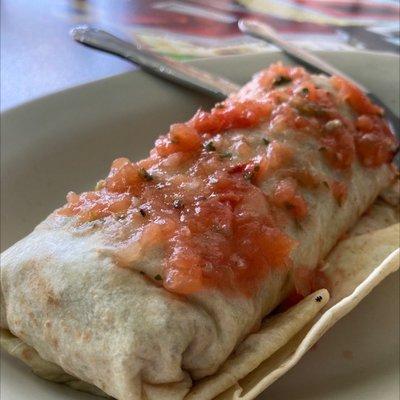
(175, 71)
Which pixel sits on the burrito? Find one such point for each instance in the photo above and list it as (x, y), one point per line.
(149, 283)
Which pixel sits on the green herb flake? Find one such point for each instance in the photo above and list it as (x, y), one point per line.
(309, 109)
(178, 204)
(226, 154)
(289, 206)
(298, 224)
(304, 91)
(281, 80)
(158, 277)
(266, 141)
(209, 146)
(249, 175)
(145, 175)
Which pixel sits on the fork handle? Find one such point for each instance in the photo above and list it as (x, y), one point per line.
(311, 61)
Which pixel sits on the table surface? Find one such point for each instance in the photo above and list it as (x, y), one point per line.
(38, 57)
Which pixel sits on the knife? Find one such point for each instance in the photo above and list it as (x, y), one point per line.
(174, 71)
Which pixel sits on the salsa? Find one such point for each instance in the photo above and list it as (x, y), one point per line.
(203, 202)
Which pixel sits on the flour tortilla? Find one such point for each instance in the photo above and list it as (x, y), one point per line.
(355, 266)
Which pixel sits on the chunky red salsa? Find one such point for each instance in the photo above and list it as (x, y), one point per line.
(216, 225)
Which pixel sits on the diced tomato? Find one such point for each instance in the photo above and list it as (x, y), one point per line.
(267, 78)
(205, 122)
(124, 177)
(182, 277)
(305, 177)
(70, 208)
(375, 143)
(357, 100)
(243, 149)
(118, 163)
(120, 206)
(338, 148)
(176, 160)
(277, 254)
(307, 90)
(283, 117)
(261, 172)
(153, 234)
(73, 198)
(374, 151)
(365, 123)
(211, 214)
(233, 114)
(287, 196)
(300, 122)
(185, 137)
(278, 155)
(165, 147)
(182, 271)
(181, 137)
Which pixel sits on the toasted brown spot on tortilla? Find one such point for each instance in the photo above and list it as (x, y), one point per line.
(53, 300)
(54, 342)
(86, 336)
(27, 354)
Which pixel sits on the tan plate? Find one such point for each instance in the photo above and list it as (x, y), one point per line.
(66, 141)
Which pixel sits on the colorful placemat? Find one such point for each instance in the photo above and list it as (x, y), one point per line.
(38, 56)
(201, 28)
